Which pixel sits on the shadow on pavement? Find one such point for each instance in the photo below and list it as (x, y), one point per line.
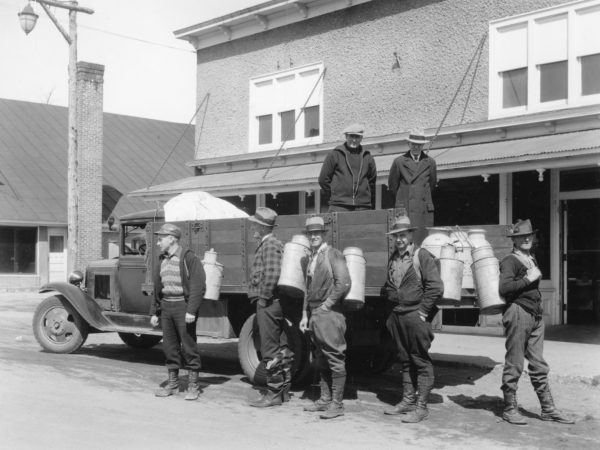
(494, 404)
(582, 334)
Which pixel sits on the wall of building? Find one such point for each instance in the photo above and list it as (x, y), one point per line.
(434, 41)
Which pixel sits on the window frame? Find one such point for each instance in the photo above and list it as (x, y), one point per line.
(274, 107)
(574, 48)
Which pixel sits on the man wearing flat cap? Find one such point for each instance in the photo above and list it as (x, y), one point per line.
(179, 286)
(412, 287)
(327, 283)
(412, 181)
(348, 174)
(524, 327)
(262, 291)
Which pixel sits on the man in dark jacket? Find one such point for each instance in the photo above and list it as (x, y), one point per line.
(179, 286)
(412, 180)
(348, 174)
(524, 327)
(327, 283)
(413, 285)
(262, 291)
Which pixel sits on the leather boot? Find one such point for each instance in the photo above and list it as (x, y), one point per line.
(420, 412)
(511, 410)
(408, 403)
(549, 411)
(172, 386)
(336, 407)
(267, 398)
(322, 404)
(193, 389)
(287, 358)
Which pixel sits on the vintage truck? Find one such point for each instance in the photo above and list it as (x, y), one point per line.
(115, 294)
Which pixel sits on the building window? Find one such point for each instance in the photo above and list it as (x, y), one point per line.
(467, 201)
(545, 60)
(246, 203)
(17, 250)
(531, 200)
(285, 108)
(284, 203)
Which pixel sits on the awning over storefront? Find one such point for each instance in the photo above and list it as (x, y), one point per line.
(579, 148)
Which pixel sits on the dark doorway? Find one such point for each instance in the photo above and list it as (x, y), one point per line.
(581, 269)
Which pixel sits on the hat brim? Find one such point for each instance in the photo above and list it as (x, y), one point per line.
(418, 141)
(346, 133)
(402, 230)
(254, 219)
(522, 234)
(315, 228)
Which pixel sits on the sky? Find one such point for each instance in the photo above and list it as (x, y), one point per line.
(148, 73)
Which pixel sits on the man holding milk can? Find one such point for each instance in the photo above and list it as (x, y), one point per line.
(524, 327)
(262, 291)
(413, 286)
(327, 283)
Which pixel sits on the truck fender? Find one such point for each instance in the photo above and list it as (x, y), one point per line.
(85, 305)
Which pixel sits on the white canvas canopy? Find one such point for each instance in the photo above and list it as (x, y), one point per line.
(200, 205)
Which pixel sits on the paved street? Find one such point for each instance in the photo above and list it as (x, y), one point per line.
(101, 397)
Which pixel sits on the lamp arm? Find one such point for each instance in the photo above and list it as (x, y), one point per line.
(55, 22)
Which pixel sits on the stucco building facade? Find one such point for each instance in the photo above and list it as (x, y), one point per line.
(508, 88)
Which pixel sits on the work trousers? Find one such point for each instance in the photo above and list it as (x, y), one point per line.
(179, 338)
(327, 329)
(413, 338)
(271, 328)
(524, 339)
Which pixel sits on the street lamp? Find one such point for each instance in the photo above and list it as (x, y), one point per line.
(28, 19)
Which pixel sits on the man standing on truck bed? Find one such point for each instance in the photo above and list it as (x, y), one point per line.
(348, 174)
(262, 290)
(327, 282)
(413, 286)
(412, 180)
(179, 286)
(524, 327)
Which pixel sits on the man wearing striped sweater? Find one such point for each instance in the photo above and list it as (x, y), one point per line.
(179, 286)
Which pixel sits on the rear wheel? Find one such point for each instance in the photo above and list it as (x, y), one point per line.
(250, 358)
(135, 340)
(58, 327)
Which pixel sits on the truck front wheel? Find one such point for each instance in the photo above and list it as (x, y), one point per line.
(250, 358)
(140, 340)
(58, 327)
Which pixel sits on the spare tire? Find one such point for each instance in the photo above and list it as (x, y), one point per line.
(250, 358)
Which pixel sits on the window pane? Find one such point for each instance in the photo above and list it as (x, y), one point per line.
(553, 81)
(288, 128)
(531, 200)
(17, 250)
(467, 201)
(311, 121)
(265, 129)
(579, 179)
(285, 203)
(57, 244)
(514, 88)
(590, 74)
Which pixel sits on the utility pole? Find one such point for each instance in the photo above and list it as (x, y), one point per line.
(28, 19)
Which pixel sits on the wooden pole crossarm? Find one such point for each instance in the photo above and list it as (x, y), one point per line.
(71, 6)
(55, 22)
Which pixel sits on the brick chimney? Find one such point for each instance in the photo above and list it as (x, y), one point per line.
(90, 81)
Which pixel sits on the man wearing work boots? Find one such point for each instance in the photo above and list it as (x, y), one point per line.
(276, 355)
(327, 283)
(179, 286)
(413, 286)
(524, 327)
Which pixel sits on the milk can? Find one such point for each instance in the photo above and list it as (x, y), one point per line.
(463, 252)
(357, 266)
(437, 237)
(291, 280)
(486, 272)
(451, 273)
(480, 248)
(214, 275)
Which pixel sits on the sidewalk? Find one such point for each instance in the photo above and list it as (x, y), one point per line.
(573, 352)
